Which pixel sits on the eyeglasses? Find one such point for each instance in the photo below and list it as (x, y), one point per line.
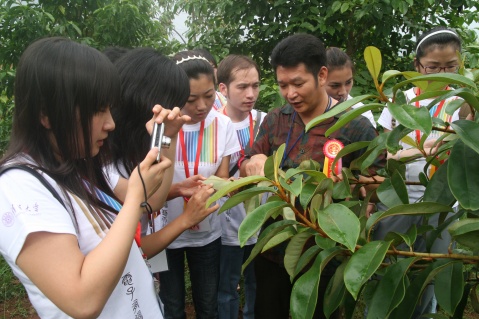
(437, 69)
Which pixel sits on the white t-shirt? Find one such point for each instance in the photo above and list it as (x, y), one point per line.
(232, 218)
(219, 140)
(415, 168)
(368, 114)
(28, 207)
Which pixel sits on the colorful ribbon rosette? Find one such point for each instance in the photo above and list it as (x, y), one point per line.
(330, 149)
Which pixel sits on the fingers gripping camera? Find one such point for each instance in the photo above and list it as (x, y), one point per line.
(159, 140)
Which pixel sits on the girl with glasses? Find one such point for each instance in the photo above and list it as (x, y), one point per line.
(436, 51)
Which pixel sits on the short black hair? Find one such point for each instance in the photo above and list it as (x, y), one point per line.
(338, 59)
(300, 48)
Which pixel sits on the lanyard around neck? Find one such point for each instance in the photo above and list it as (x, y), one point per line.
(436, 113)
(286, 151)
(198, 150)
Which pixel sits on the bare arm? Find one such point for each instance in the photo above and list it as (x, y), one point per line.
(52, 259)
(193, 214)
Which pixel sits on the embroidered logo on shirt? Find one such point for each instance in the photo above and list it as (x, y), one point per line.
(8, 219)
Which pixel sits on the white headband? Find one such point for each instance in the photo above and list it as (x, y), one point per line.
(194, 57)
(434, 33)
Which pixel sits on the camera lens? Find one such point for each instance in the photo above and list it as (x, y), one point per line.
(165, 142)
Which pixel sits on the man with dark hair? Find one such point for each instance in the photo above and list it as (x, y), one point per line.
(299, 62)
(239, 79)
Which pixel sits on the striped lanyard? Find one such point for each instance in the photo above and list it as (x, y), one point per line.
(198, 152)
(436, 113)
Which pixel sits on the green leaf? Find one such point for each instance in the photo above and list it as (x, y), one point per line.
(232, 186)
(466, 232)
(389, 74)
(463, 181)
(448, 287)
(265, 236)
(395, 136)
(351, 115)
(392, 191)
(414, 118)
(350, 148)
(309, 190)
(390, 290)
(243, 196)
(335, 291)
(468, 131)
(423, 208)
(254, 220)
(340, 224)
(450, 78)
(437, 189)
(341, 107)
(373, 59)
(294, 250)
(279, 238)
(305, 290)
(363, 264)
(306, 258)
(278, 157)
(415, 289)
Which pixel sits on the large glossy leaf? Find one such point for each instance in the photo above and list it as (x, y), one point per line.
(340, 224)
(463, 165)
(232, 186)
(295, 249)
(395, 136)
(350, 148)
(415, 289)
(373, 59)
(390, 290)
(437, 189)
(306, 258)
(335, 291)
(423, 208)
(448, 287)
(254, 220)
(243, 196)
(441, 77)
(351, 115)
(363, 264)
(414, 118)
(466, 232)
(389, 74)
(468, 131)
(309, 190)
(467, 94)
(341, 107)
(392, 191)
(266, 235)
(278, 157)
(279, 238)
(304, 295)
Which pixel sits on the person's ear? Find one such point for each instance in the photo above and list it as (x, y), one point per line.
(323, 76)
(416, 65)
(45, 121)
(223, 89)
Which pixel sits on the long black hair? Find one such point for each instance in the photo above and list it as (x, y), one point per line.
(147, 78)
(67, 83)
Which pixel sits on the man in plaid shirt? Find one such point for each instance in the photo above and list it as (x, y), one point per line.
(299, 63)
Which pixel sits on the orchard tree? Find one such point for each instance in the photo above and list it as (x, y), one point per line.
(323, 220)
(254, 27)
(99, 23)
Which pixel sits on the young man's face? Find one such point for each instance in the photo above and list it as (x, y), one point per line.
(300, 88)
(243, 91)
